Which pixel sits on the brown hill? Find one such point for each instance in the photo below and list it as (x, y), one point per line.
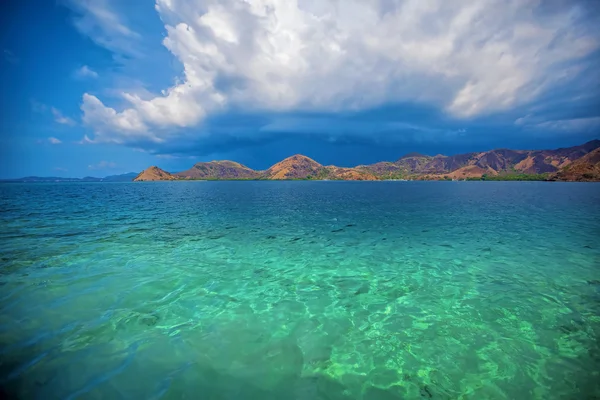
(295, 167)
(348, 174)
(494, 163)
(586, 168)
(218, 170)
(470, 171)
(384, 170)
(154, 174)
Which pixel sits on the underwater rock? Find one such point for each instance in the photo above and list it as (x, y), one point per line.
(398, 292)
(330, 389)
(568, 329)
(425, 392)
(317, 357)
(363, 289)
(129, 320)
(148, 319)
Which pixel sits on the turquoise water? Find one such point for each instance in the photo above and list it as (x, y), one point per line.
(300, 290)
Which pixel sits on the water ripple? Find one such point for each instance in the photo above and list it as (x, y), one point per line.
(301, 290)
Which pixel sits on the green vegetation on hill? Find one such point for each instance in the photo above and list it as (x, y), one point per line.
(511, 177)
(319, 176)
(394, 175)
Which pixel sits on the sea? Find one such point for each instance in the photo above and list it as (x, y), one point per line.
(300, 290)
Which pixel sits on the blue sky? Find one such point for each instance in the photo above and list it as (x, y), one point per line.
(105, 87)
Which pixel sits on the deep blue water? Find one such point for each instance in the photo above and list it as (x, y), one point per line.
(300, 290)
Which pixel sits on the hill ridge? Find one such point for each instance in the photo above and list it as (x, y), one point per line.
(154, 173)
(495, 163)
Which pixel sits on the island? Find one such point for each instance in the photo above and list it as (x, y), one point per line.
(578, 163)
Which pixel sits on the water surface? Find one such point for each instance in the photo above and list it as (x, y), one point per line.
(300, 290)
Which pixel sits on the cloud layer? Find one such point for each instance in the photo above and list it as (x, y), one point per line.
(469, 58)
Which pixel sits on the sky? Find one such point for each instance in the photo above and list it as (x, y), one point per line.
(103, 87)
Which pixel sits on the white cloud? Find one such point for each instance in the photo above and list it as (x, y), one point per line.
(61, 119)
(96, 19)
(85, 140)
(85, 72)
(102, 165)
(470, 57)
(53, 140)
(107, 120)
(571, 125)
(578, 125)
(61, 169)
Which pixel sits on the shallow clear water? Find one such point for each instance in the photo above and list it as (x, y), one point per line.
(300, 290)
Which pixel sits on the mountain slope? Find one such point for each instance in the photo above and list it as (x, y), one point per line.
(218, 170)
(494, 162)
(497, 164)
(348, 174)
(586, 168)
(384, 170)
(154, 174)
(296, 167)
